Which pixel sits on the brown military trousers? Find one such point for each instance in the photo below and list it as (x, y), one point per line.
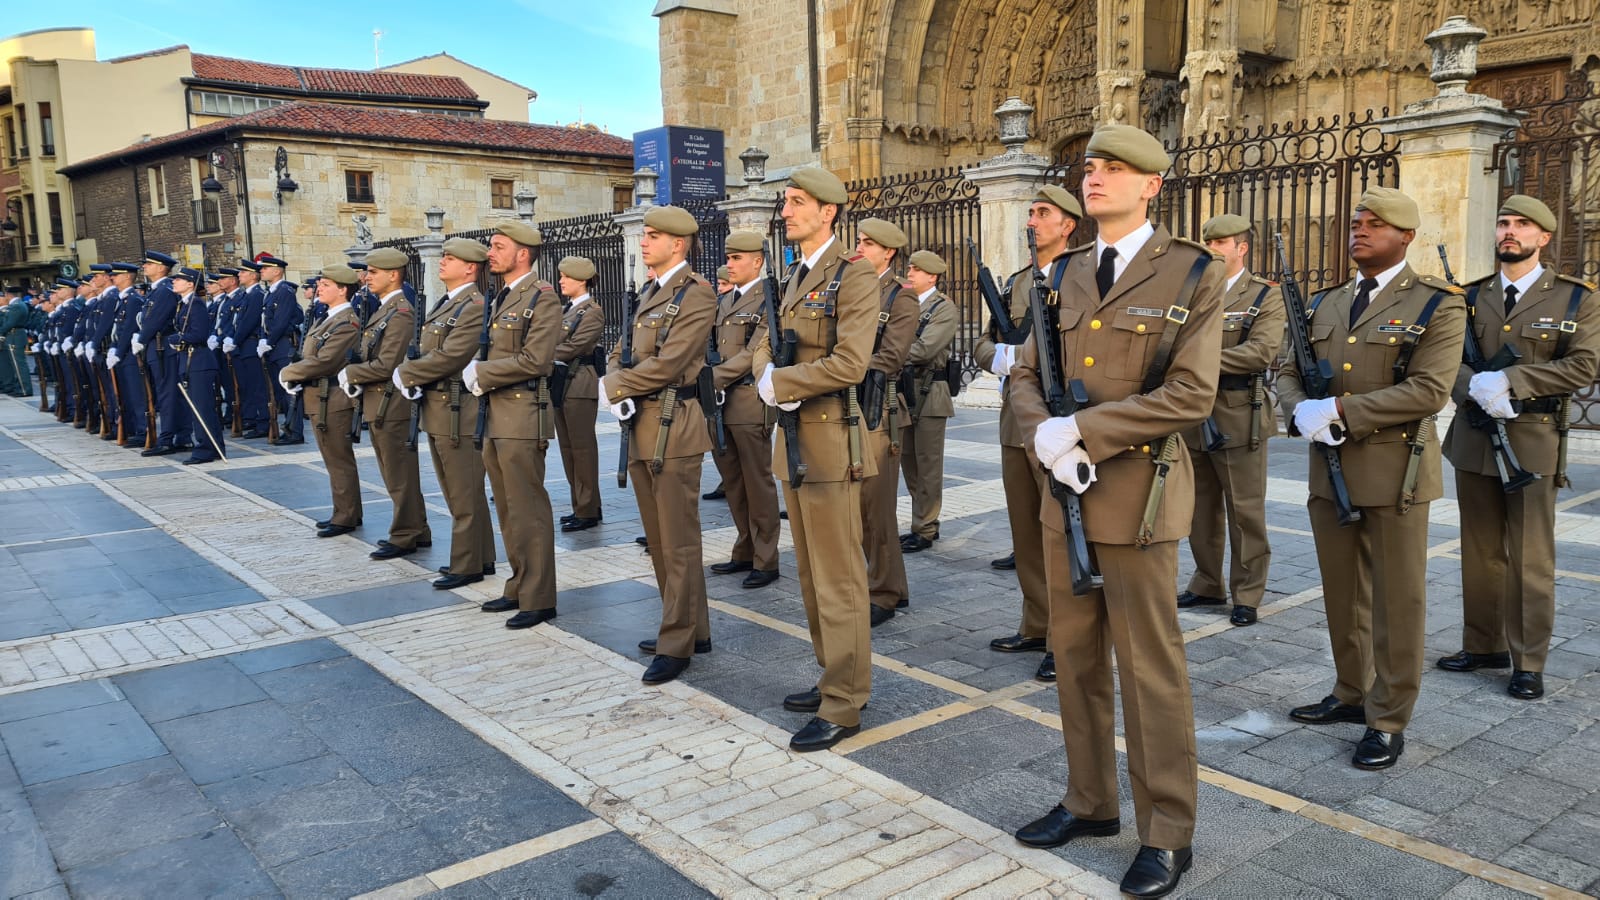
(339, 458)
(516, 473)
(880, 528)
(1230, 509)
(669, 507)
(746, 470)
(580, 454)
(1508, 559)
(1026, 487)
(401, 478)
(825, 519)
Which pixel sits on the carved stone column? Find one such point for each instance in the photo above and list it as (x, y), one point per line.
(1210, 67)
(430, 249)
(1120, 61)
(632, 218)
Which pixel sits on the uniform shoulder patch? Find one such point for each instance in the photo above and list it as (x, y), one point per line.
(1437, 283)
(1587, 285)
(1071, 250)
(1264, 282)
(1195, 245)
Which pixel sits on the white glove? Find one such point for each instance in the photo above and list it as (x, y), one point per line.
(412, 393)
(344, 380)
(290, 388)
(1500, 407)
(262, 347)
(351, 390)
(77, 351)
(469, 378)
(790, 406)
(88, 353)
(1324, 435)
(764, 387)
(1054, 437)
(1074, 470)
(1312, 416)
(1486, 387)
(67, 344)
(112, 359)
(1004, 356)
(138, 347)
(88, 347)
(624, 410)
(228, 345)
(54, 349)
(212, 342)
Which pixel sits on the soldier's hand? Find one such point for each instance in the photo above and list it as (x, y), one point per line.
(67, 344)
(1004, 357)
(111, 360)
(1313, 416)
(228, 346)
(351, 390)
(1487, 387)
(212, 342)
(1074, 470)
(88, 353)
(77, 351)
(262, 347)
(1500, 407)
(764, 387)
(290, 387)
(138, 346)
(414, 393)
(1054, 437)
(624, 410)
(469, 378)
(1326, 435)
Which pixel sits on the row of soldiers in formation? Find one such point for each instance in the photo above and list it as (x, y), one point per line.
(1143, 420)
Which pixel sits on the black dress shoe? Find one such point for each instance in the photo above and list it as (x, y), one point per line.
(387, 550)
(1189, 599)
(427, 542)
(1242, 616)
(820, 734)
(732, 566)
(881, 615)
(1017, 644)
(200, 460)
(324, 523)
(903, 603)
(914, 543)
(642, 541)
(1327, 711)
(1468, 662)
(663, 669)
(716, 494)
(498, 604)
(252, 434)
(445, 570)
(1047, 669)
(451, 581)
(580, 524)
(334, 530)
(159, 450)
(1526, 685)
(805, 701)
(759, 579)
(1155, 872)
(1005, 563)
(1059, 826)
(567, 518)
(1378, 749)
(783, 514)
(288, 441)
(530, 617)
(648, 645)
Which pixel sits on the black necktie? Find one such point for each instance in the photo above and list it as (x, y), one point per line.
(1363, 297)
(801, 273)
(1511, 299)
(1106, 275)
(566, 307)
(499, 299)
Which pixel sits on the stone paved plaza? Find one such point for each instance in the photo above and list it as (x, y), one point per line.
(198, 697)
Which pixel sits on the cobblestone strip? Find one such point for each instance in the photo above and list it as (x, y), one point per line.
(31, 482)
(712, 790)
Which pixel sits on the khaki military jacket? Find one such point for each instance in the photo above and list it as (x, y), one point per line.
(382, 347)
(327, 350)
(831, 356)
(1382, 416)
(581, 329)
(449, 340)
(1244, 357)
(929, 353)
(1109, 344)
(1534, 330)
(522, 344)
(1020, 290)
(899, 331)
(656, 365)
(739, 326)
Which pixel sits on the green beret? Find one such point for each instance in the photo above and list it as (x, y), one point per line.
(387, 258)
(1134, 146)
(579, 267)
(466, 250)
(744, 242)
(1057, 196)
(929, 261)
(1531, 208)
(341, 274)
(1391, 206)
(673, 220)
(521, 232)
(819, 183)
(723, 274)
(883, 232)
(1223, 226)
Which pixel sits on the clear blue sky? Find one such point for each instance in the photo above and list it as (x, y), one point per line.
(597, 61)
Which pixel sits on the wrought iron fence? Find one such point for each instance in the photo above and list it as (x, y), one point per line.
(599, 238)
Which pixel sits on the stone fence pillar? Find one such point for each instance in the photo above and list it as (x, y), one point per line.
(632, 219)
(751, 208)
(1006, 185)
(430, 249)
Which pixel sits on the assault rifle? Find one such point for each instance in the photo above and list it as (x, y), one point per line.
(630, 308)
(414, 352)
(783, 343)
(1007, 331)
(711, 399)
(483, 355)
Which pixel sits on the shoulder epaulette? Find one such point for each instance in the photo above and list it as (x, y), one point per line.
(1484, 280)
(1080, 248)
(1437, 283)
(854, 257)
(1195, 245)
(1264, 282)
(1587, 285)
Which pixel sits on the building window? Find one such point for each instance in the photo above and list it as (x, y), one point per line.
(47, 131)
(621, 197)
(500, 193)
(358, 186)
(33, 220)
(205, 210)
(158, 190)
(22, 132)
(212, 103)
(58, 237)
(11, 140)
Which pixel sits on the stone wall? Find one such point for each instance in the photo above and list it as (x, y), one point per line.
(115, 207)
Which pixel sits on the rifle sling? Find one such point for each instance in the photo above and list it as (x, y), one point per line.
(1177, 315)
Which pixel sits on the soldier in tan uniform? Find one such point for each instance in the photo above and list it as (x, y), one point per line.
(669, 440)
(1508, 549)
(525, 324)
(1139, 312)
(449, 411)
(745, 463)
(1374, 572)
(1230, 481)
(582, 324)
(922, 438)
(380, 349)
(830, 303)
(880, 242)
(326, 353)
(1053, 215)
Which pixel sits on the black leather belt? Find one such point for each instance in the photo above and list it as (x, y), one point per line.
(1235, 382)
(685, 392)
(1542, 405)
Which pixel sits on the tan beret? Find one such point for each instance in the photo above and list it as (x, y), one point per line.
(1134, 146)
(1391, 206)
(744, 242)
(342, 274)
(1531, 208)
(673, 220)
(521, 232)
(883, 233)
(1222, 226)
(1055, 195)
(723, 274)
(819, 183)
(466, 250)
(387, 258)
(579, 267)
(929, 261)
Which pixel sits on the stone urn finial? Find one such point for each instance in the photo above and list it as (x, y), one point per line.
(755, 167)
(1013, 115)
(1455, 54)
(644, 186)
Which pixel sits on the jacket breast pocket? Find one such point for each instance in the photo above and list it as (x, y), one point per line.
(505, 333)
(1539, 341)
(1381, 347)
(815, 325)
(1134, 343)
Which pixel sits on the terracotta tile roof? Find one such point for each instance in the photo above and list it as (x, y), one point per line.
(244, 71)
(387, 125)
(331, 81)
(149, 53)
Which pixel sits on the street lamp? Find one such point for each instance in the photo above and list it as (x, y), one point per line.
(231, 160)
(280, 168)
(13, 213)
